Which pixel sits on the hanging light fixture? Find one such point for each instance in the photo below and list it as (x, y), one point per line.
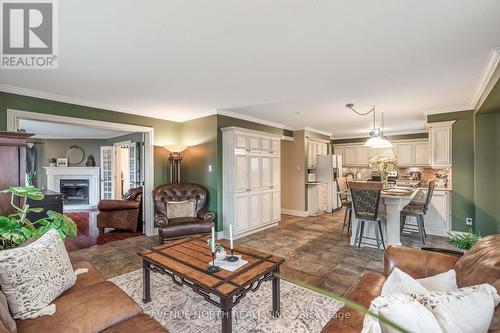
(377, 139)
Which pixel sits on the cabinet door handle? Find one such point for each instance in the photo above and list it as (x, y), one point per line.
(248, 190)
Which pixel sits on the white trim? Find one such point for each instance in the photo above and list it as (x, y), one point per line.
(314, 130)
(251, 131)
(293, 212)
(253, 119)
(441, 124)
(488, 78)
(13, 117)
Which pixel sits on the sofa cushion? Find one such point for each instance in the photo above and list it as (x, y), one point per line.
(32, 276)
(90, 309)
(7, 323)
(140, 323)
(185, 208)
(184, 226)
(398, 282)
(86, 279)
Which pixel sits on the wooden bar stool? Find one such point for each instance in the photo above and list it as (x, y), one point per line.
(417, 210)
(365, 202)
(344, 199)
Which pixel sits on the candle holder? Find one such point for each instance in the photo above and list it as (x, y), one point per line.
(212, 268)
(232, 257)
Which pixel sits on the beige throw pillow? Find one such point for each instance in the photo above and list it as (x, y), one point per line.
(32, 276)
(181, 209)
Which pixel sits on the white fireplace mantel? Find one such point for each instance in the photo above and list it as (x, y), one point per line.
(56, 174)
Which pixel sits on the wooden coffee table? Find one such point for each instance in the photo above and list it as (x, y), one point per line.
(186, 261)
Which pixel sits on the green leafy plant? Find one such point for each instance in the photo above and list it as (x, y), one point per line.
(52, 160)
(31, 178)
(218, 247)
(16, 228)
(464, 241)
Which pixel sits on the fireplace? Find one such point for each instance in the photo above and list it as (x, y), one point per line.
(75, 191)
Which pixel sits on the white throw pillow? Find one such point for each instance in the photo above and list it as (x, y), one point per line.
(398, 282)
(441, 282)
(185, 208)
(32, 276)
(465, 310)
(404, 311)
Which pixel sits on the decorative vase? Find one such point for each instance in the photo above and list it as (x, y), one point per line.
(221, 255)
(90, 161)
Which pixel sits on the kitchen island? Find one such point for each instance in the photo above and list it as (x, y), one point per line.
(392, 202)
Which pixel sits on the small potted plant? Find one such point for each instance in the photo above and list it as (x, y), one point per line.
(52, 161)
(220, 252)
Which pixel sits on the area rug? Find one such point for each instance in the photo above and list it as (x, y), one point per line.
(181, 310)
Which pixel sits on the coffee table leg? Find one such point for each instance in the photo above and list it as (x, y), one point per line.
(226, 306)
(146, 281)
(276, 294)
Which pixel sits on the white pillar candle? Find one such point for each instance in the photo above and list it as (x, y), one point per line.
(213, 239)
(231, 236)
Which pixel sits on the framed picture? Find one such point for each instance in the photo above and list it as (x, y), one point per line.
(62, 162)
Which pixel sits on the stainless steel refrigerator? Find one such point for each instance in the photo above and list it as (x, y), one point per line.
(329, 167)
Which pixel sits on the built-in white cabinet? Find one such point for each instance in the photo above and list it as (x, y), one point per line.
(440, 141)
(438, 219)
(315, 149)
(316, 198)
(358, 155)
(404, 154)
(251, 180)
(362, 156)
(349, 156)
(421, 154)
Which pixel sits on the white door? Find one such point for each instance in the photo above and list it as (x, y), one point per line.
(255, 171)
(132, 151)
(404, 153)
(267, 206)
(276, 173)
(107, 172)
(421, 154)
(267, 171)
(255, 210)
(276, 205)
(241, 172)
(242, 212)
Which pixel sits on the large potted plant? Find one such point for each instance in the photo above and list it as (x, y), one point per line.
(16, 228)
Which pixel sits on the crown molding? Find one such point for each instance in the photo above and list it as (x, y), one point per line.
(489, 77)
(386, 134)
(311, 129)
(232, 114)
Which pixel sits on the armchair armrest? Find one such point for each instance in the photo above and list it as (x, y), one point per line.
(161, 220)
(107, 205)
(206, 215)
(417, 263)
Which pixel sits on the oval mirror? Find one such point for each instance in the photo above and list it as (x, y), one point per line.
(75, 155)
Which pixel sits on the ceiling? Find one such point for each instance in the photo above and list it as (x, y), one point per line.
(181, 59)
(51, 130)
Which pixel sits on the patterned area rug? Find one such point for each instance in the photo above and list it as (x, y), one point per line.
(181, 310)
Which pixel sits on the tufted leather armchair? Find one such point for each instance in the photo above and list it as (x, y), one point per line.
(181, 227)
(125, 214)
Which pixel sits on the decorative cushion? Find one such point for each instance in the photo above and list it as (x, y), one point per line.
(32, 276)
(441, 282)
(7, 323)
(398, 282)
(404, 311)
(181, 209)
(465, 310)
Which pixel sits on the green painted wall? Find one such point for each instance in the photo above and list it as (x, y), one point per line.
(201, 137)
(488, 172)
(463, 165)
(166, 132)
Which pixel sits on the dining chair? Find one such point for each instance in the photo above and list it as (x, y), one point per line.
(417, 210)
(365, 197)
(342, 186)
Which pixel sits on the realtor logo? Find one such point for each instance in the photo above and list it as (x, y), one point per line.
(29, 39)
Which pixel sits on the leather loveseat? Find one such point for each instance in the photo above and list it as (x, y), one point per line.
(179, 227)
(122, 214)
(479, 265)
(91, 305)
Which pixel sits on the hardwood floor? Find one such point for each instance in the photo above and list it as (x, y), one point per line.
(88, 234)
(313, 249)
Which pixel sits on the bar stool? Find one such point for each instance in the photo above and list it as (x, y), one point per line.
(417, 210)
(365, 201)
(342, 186)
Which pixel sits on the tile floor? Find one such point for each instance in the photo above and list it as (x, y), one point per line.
(313, 248)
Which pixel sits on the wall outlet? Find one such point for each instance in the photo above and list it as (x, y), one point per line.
(468, 221)
(210, 168)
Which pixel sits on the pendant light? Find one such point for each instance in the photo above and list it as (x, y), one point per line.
(377, 139)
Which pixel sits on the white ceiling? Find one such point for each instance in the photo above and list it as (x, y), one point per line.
(51, 130)
(180, 59)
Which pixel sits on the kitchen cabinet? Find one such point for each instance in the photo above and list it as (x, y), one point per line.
(251, 180)
(404, 153)
(438, 218)
(349, 156)
(421, 154)
(316, 198)
(355, 155)
(362, 156)
(315, 149)
(440, 142)
(338, 151)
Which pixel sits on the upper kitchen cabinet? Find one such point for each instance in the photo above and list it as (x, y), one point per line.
(404, 153)
(440, 141)
(421, 154)
(315, 149)
(362, 156)
(353, 155)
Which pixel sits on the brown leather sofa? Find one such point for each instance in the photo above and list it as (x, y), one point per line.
(125, 214)
(479, 265)
(91, 305)
(180, 227)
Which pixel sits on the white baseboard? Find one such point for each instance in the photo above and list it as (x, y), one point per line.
(293, 212)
